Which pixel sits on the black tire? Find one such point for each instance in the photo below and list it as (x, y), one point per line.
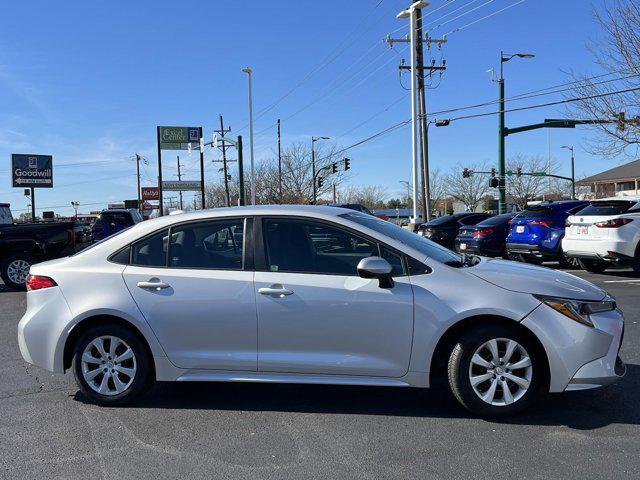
(568, 262)
(459, 371)
(593, 266)
(144, 371)
(8, 277)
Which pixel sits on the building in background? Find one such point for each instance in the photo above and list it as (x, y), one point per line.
(618, 181)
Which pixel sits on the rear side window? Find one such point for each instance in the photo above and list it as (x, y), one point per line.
(472, 219)
(116, 217)
(539, 212)
(208, 245)
(151, 251)
(606, 208)
(495, 221)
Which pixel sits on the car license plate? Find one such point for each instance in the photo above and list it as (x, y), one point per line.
(463, 246)
(520, 229)
(428, 234)
(582, 230)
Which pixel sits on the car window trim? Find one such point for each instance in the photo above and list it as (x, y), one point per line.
(260, 245)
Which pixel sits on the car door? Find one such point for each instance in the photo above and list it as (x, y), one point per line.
(194, 285)
(316, 315)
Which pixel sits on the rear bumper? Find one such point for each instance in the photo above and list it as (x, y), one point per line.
(477, 247)
(530, 249)
(607, 250)
(580, 357)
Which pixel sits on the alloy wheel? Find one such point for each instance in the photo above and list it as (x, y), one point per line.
(18, 270)
(500, 372)
(108, 365)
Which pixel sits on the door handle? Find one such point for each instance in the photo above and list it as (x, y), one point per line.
(275, 290)
(153, 284)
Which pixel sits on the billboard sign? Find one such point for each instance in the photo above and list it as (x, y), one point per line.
(32, 171)
(183, 185)
(178, 138)
(150, 193)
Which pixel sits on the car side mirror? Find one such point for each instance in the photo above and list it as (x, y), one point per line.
(376, 267)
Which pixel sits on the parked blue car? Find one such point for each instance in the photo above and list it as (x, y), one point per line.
(536, 234)
(112, 221)
(486, 238)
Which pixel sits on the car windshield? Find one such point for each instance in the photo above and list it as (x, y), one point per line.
(417, 242)
(536, 212)
(607, 208)
(442, 220)
(497, 220)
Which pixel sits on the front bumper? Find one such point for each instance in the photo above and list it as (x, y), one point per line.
(580, 357)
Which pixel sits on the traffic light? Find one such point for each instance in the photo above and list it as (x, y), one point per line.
(493, 172)
(519, 171)
(334, 167)
(347, 161)
(320, 182)
(466, 173)
(494, 182)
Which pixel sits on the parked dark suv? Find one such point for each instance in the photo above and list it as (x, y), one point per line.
(485, 238)
(112, 221)
(443, 230)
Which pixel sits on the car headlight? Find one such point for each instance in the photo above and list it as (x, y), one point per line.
(578, 310)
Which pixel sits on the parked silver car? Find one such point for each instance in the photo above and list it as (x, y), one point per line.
(318, 295)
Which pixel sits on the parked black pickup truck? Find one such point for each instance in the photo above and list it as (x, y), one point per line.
(22, 245)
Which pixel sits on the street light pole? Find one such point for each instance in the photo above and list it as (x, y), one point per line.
(248, 71)
(313, 166)
(502, 192)
(573, 172)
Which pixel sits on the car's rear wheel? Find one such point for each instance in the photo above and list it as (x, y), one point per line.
(495, 371)
(568, 262)
(593, 266)
(14, 270)
(111, 365)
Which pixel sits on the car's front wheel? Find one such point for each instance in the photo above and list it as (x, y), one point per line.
(495, 371)
(111, 365)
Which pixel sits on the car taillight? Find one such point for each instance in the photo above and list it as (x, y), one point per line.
(71, 238)
(38, 282)
(483, 232)
(540, 223)
(614, 223)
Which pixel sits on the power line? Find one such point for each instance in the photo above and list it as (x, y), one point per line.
(330, 58)
(485, 17)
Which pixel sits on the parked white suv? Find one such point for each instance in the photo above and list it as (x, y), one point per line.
(605, 232)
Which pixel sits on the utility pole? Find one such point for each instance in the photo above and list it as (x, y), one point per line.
(160, 207)
(334, 194)
(202, 191)
(222, 132)
(279, 165)
(419, 141)
(180, 178)
(241, 199)
(138, 175)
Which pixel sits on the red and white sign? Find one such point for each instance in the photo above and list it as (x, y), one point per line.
(150, 193)
(147, 209)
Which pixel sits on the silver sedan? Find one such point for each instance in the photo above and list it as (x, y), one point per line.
(316, 295)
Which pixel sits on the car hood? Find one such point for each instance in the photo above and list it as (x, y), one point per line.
(525, 278)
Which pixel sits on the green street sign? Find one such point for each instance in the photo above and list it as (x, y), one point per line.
(173, 138)
(539, 174)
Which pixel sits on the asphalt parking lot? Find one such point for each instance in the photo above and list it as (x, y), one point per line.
(286, 431)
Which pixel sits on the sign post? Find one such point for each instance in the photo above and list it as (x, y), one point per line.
(32, 171)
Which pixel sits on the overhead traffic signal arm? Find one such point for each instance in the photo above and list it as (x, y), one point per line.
(553, 123)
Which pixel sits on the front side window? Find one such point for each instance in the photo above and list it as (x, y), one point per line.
(151, 251)
(312, 247)
(214, 245)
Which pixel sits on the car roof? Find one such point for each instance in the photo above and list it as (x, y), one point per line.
(625, 198)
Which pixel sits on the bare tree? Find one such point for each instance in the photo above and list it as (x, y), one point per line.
(437, 187)
(470, 190)
(523, 189)
(619, 54)
(297, 186)
(371, 196)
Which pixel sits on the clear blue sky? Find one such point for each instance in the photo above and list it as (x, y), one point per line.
(89, 81)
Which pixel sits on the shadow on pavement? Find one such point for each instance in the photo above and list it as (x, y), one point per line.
(617, 404)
